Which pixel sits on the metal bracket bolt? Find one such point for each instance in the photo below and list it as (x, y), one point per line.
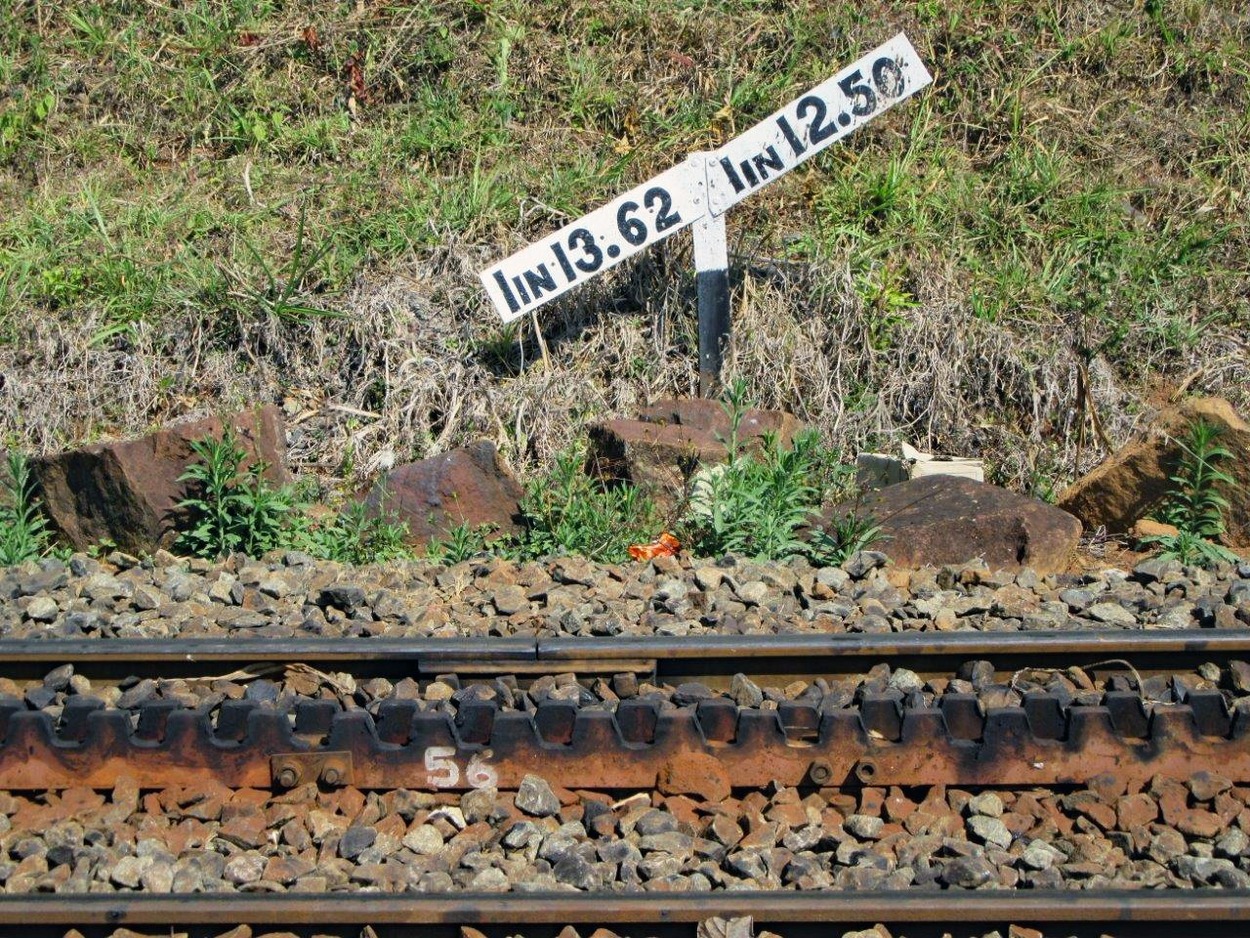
(291, 769)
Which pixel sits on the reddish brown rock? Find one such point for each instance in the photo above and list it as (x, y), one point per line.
(465, 486)
(661, 458)
(938, 520)
(127, 492)
(710, 416)
(1136, 811)
(1129, 484)
(663, 449)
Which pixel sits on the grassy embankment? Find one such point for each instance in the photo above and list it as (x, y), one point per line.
(205, 204)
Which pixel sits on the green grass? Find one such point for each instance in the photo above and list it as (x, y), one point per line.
(1074, 182)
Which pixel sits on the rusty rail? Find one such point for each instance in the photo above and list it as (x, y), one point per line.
(1217, 912)
(704, 750)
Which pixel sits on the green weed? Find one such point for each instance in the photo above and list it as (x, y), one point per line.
(277, 298)
(757, 503)
(24, 532)
(1194, 504)
(231, 509)
(354, 536)
(235, 509)
(463, 542)
(569, 512)
(849, 534)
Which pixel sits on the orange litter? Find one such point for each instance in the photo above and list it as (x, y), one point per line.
(664, 546)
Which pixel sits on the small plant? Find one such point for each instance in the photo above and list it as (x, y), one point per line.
(757, 505)
(571, 513)
(850, 534)
(24, 533)
(462, 543)
(277, 298)
(232, 509)
(1193, 504)
(1190, 549)
(356, 536)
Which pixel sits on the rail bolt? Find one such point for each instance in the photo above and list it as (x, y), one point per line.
(288, 776)
(820, 772)
(331, 775)
(866, 770)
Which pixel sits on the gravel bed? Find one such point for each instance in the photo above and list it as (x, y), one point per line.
(210, 838)
(291, 595)
(712, 928)
(300, 686)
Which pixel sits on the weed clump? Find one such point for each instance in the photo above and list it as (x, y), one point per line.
(235, 509)
(1194, 504)
(24, 532)
(757, 503)
(570, 512)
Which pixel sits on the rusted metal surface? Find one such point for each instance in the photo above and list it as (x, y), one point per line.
(702, 750)
(768, 909)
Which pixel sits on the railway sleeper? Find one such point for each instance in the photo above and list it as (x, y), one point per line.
(713, 745)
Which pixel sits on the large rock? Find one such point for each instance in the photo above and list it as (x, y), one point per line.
(1132, 482)
(938, 520)
(435, 495)
(709, 416)
(127, 492)
(672, 439)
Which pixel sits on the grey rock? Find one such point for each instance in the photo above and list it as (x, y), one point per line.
(990, 831)
(745, 692)
(573, 870)
(655, 821)
(987, 804)
(864, 562)
(355, 840)
(534, 796)
(863, 826)
(42, 609)
(673, 842)
(905, 680)
(1112, 614)
(245, 868)
(969, 872)
(424, 839)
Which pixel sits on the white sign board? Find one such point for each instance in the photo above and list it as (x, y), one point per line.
(817, 120)
(706, 183)
(648, 213)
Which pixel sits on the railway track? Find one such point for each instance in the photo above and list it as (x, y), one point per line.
(850, 767)
(667, 713)
(1122, 914)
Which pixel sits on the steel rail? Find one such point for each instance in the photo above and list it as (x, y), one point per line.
(768, 909)
(711, 654)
